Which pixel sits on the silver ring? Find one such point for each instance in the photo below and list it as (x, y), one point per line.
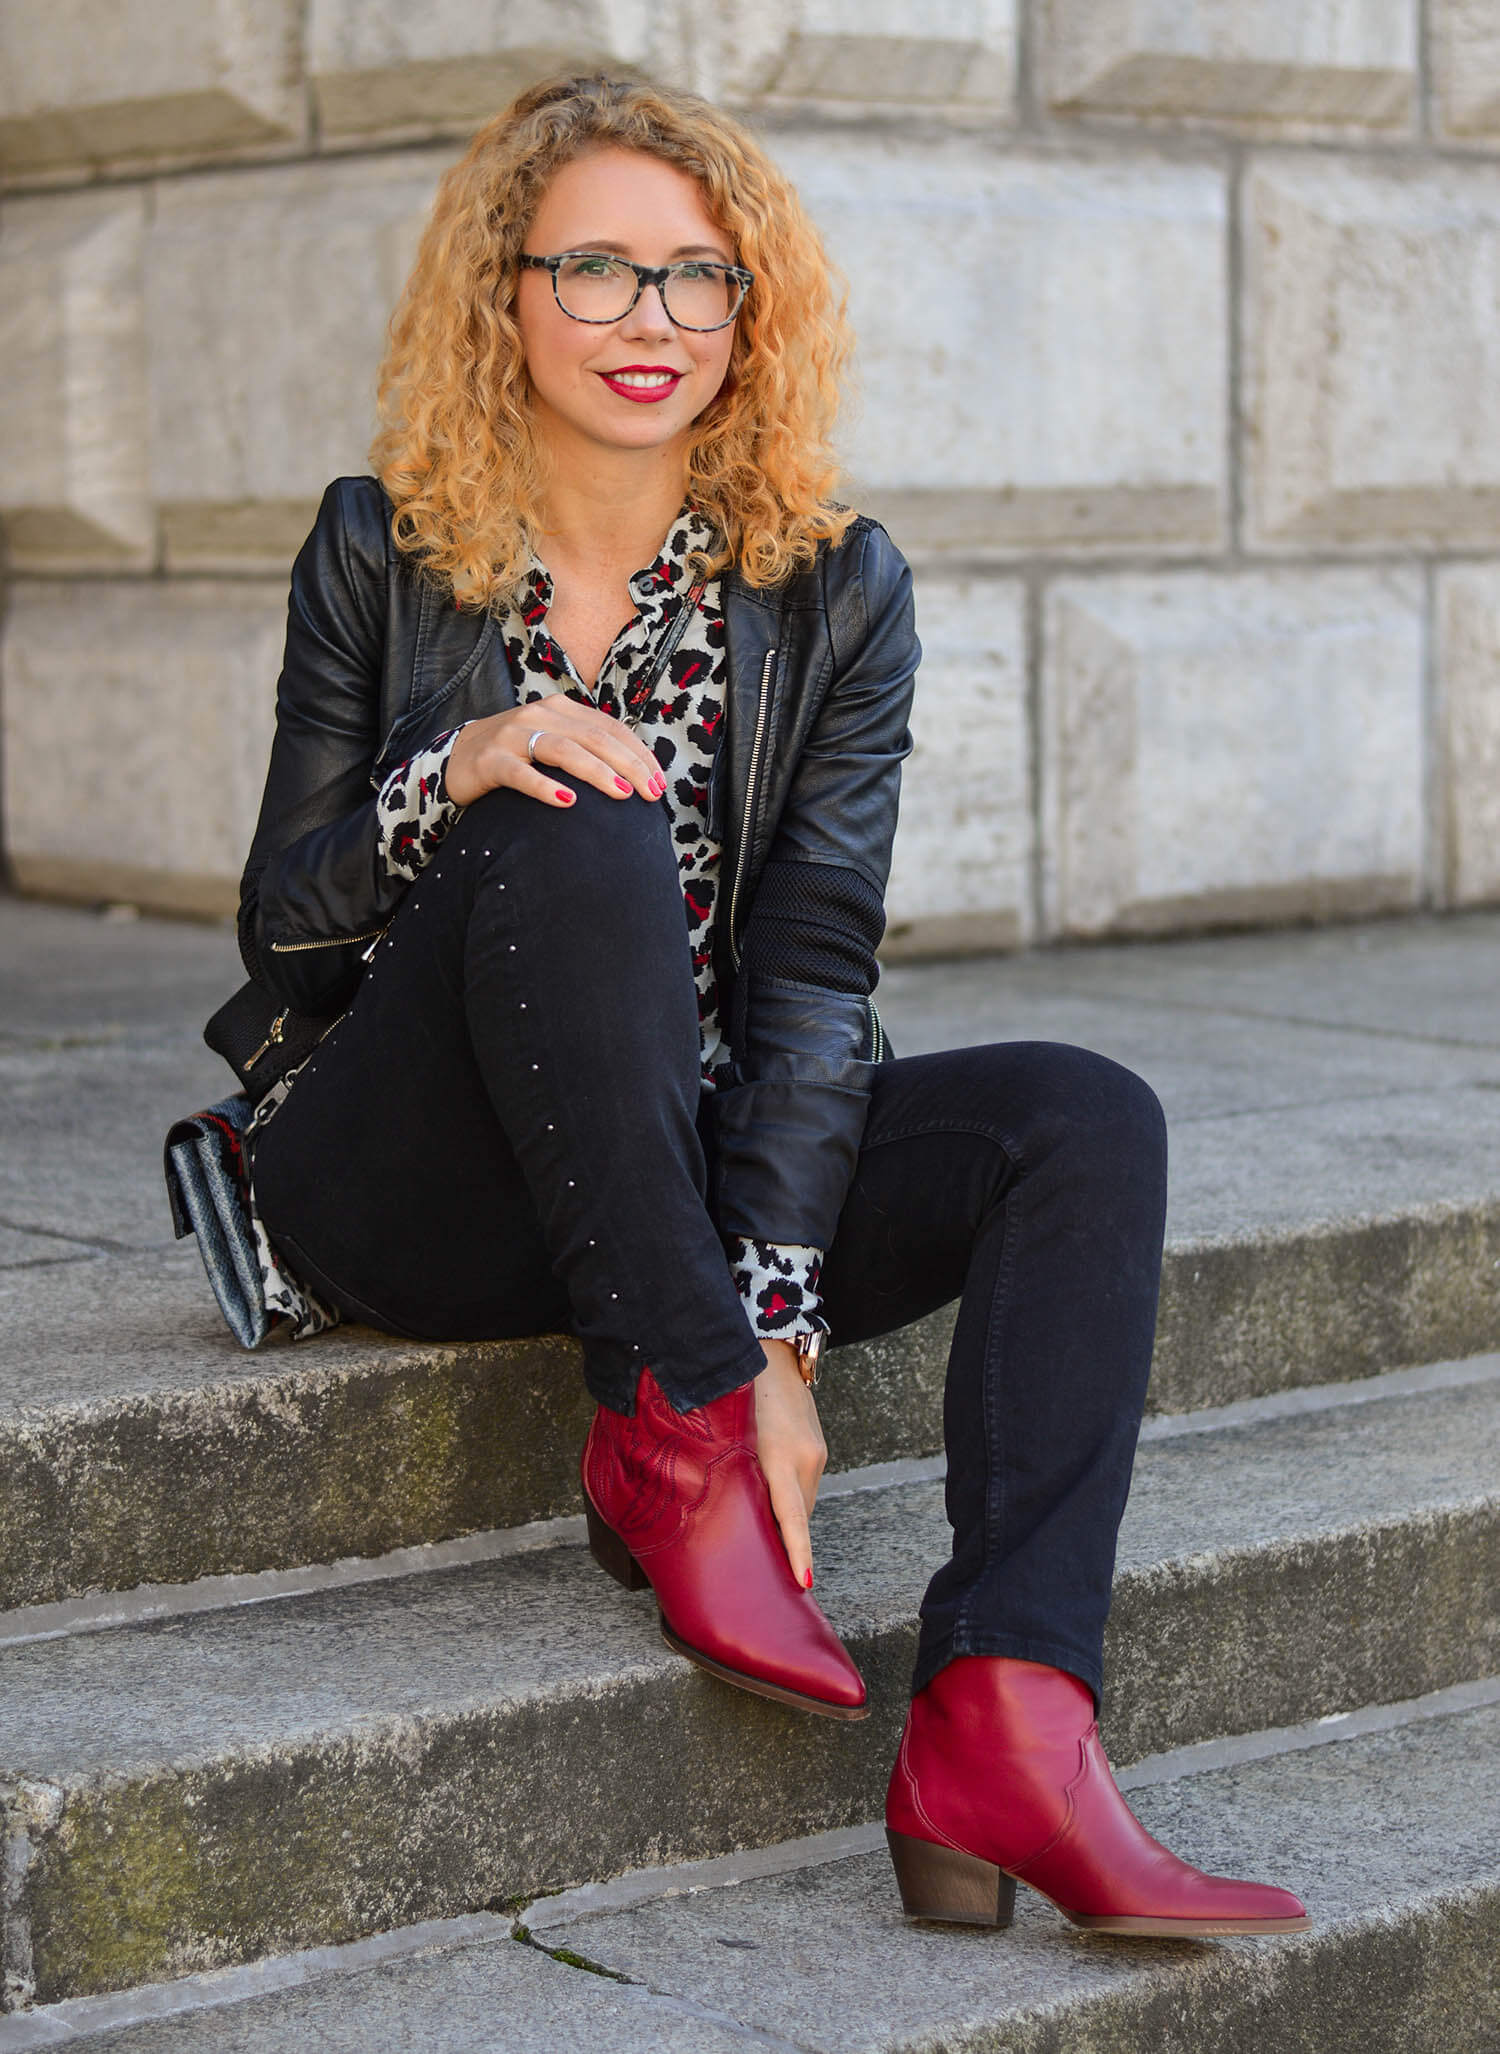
(531, 742)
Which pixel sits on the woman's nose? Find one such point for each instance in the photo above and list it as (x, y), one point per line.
(649, 314)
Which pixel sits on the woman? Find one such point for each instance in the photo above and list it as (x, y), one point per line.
(631, 692)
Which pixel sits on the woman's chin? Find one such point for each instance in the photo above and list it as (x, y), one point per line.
(621, 426)
(647, 433)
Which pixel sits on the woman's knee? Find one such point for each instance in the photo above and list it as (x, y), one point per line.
(1075, 1097)
(596, 843)
(1120, 1098)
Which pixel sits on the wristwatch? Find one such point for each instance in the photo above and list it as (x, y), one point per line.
(809, 1348)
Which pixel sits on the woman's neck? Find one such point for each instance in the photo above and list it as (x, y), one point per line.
(603, 517)
(607, 513)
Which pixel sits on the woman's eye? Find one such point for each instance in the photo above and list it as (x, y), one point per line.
(593, 267)
(693, 272)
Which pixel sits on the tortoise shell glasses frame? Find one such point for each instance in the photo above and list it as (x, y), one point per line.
(731, 278)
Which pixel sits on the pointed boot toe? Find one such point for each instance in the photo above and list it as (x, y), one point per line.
(815, 1676)
(677, 1500)
(1244, 1908)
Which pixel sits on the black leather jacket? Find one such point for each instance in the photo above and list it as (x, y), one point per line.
(803, 799)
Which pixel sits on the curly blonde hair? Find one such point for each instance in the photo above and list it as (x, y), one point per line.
(456, 451)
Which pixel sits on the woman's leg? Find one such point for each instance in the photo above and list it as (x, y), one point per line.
(501, 1135)
(1033, 1178)
(1029, 1178)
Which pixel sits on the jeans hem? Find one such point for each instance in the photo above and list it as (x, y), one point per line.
(1051, 1655)
(683, 1394)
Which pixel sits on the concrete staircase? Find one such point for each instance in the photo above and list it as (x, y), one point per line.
(313, 1705)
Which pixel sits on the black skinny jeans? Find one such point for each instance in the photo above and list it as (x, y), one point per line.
(505, 1135)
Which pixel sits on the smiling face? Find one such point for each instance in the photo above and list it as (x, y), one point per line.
(637, 383)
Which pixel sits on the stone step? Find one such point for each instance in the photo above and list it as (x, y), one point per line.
(214, 1787)
(138, 1444)
(1389, 1837)
(1334, 1104)
(801, 1947)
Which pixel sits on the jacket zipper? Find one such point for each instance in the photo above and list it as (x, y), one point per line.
(333, 941)
(762, 713)
(273, 1034)
(277, 1028)
(877, 1032)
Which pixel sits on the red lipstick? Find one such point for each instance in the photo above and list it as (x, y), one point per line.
(664, 381)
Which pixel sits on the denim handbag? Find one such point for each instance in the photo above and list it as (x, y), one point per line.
(208, 1190)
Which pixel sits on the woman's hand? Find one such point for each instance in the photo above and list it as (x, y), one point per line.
(592, 747)
(793, 1453)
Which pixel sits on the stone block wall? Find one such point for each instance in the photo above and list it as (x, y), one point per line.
(1179, 381)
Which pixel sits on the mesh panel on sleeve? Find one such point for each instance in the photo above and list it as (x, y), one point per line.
(815, 924)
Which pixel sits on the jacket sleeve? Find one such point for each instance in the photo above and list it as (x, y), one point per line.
(789, 1132)
(316, 885)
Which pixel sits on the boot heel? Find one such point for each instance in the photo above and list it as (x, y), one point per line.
(944, 1883)
(611, 1553)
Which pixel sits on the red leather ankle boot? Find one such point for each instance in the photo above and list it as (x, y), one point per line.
(1000, 1777)
(677, 1500)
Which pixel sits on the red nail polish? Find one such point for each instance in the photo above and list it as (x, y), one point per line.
(565, 796)
(623, 784)
(807, 1581)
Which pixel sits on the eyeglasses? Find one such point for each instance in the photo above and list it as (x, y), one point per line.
(590, 286)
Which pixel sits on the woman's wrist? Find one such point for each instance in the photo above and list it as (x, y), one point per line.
(800, 1354)
(780, 1355)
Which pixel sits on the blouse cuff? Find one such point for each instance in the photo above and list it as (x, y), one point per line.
(414, 810)
(778, 1286)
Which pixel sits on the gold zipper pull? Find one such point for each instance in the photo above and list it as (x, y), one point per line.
(273, 1034)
